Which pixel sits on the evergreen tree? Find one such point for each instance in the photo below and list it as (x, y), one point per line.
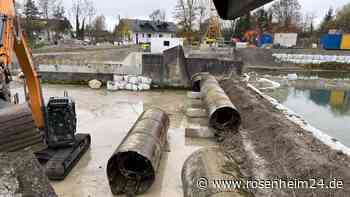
(262, 20)
(31, 13)
(328, 21)
(329, 16)
(343, 18)
(243, 25)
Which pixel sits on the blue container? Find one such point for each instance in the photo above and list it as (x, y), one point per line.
(265, 39)
(331, 41)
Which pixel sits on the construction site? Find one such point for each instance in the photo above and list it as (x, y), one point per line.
(163, 115)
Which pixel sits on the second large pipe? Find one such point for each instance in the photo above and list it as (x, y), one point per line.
(223, 115)
(133, 166)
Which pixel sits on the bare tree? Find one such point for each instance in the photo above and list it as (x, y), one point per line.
(158, 15)
(99, 24)
(308, 22)
(287, 12)
(46, 8)
(82, 10)
(203, 12)
(186, 13)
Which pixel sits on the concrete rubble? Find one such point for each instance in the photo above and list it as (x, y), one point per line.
(129, 82)
(310, 59)
(95, 84)
(22, 175)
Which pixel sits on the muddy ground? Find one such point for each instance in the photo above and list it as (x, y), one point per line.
(108, 116)
(269, 146)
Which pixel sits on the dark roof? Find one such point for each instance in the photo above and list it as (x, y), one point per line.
(52, 22)
(150, 26)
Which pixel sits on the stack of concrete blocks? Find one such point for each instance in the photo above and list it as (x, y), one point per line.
(310, 59)
(129, 82)
(197, 124)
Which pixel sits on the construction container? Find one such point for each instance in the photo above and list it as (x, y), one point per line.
(337, 98)
(265, 39)
(331, 41)
(345, 43)
(286, 39)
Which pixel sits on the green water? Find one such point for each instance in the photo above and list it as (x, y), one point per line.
(327, 110)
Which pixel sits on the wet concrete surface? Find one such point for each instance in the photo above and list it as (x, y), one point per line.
(108, 116)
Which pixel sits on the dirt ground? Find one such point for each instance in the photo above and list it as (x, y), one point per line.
(271, 147)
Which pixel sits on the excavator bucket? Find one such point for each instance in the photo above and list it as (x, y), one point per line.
(17, 129)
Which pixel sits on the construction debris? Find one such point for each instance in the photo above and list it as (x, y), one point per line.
(310, 59)
(133, 166)
(21, 175)
(95, 84)
(129, 82)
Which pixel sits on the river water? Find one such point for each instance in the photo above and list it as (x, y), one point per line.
(327, 109)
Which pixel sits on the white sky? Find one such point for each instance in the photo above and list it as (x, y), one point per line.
(142, 8)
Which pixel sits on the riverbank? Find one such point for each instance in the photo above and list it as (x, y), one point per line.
(271, 146)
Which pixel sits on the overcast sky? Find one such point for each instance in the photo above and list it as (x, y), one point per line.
(142, 8)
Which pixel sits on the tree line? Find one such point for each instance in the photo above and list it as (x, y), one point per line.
(51, 17)
(282, 16)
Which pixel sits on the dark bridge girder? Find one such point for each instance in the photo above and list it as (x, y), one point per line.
(231, 9)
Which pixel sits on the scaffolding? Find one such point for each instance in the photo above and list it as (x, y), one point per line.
(213, 34)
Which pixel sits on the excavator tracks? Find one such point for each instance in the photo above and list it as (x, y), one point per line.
(18, 130)
(60, 161)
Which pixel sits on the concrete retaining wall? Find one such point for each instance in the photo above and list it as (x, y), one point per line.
(69, 77)
(173, 69)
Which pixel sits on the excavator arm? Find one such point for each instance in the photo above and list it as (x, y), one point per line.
(13, 40)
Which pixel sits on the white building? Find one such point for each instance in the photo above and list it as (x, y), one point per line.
(136, 31)
(158, 45)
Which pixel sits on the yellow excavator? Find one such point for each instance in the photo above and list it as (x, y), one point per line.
(49, 130)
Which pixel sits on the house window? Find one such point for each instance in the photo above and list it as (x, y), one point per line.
(160, 35)
(143, 35)
(166, 43)
(150, 35)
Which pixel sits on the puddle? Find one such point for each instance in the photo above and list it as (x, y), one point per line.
(108, 116)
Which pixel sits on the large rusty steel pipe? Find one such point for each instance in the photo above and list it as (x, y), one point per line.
(132, 168)
(223, 115)
(203, 167)
(196, 81)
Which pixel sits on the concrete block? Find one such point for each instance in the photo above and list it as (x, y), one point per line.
(204, 121)
(118, 78)
(112, 86)
(194, 95)
(196, 113)
(194, 103)
(95, 84)
(199, 132)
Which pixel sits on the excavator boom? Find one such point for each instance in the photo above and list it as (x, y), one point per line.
(13, 40)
